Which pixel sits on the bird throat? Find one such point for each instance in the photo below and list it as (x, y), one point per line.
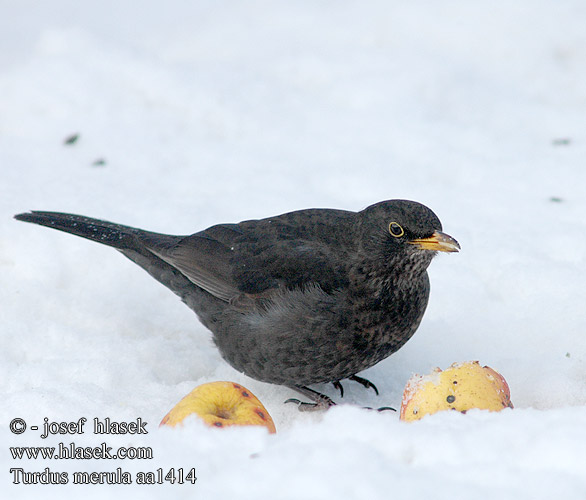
(383, 278)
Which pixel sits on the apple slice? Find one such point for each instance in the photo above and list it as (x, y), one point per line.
(461, 387)
(221, 404)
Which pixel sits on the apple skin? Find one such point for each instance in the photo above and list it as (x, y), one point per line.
(221, 404)
(461, 387)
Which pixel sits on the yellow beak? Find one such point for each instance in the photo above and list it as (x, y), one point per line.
(438, 242)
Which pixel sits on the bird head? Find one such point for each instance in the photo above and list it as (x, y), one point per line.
(402, 228)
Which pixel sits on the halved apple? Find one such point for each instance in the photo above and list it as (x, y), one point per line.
(221, 404)
(461, 387)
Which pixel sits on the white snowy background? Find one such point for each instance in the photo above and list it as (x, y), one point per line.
(196, 113)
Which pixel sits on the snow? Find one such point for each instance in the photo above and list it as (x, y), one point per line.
(219, 111)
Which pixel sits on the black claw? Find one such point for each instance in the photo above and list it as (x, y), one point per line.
(364, 382)
(338, 385)
(382, 408)
(292, 400)
(303, 406)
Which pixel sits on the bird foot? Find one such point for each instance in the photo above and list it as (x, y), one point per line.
(303, 406)
(320, 401)
(364, 382)
(355, 378)
(323, 402)
(339, 386)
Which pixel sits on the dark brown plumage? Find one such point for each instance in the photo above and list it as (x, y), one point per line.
(310, 296)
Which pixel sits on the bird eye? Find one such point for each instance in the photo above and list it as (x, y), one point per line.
(396, 230)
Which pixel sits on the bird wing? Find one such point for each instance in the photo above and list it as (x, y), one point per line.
(229, 260)
(204, 258)
(287, 264)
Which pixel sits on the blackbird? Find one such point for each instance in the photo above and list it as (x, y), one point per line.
(311, 296)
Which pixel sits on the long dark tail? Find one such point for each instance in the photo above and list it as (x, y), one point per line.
(133, 243)
(107, 233)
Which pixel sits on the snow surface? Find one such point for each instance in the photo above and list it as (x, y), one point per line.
(218, 111)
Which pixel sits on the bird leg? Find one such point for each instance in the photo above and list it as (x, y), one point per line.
(366, 383)
(321, 401)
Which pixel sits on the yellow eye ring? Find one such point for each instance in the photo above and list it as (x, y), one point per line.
(396, 230)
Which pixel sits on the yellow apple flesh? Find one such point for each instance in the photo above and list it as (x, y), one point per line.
(462, 387)
(221, 404)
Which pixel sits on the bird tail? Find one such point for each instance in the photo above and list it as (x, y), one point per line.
(140, 247)
(107, 233)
